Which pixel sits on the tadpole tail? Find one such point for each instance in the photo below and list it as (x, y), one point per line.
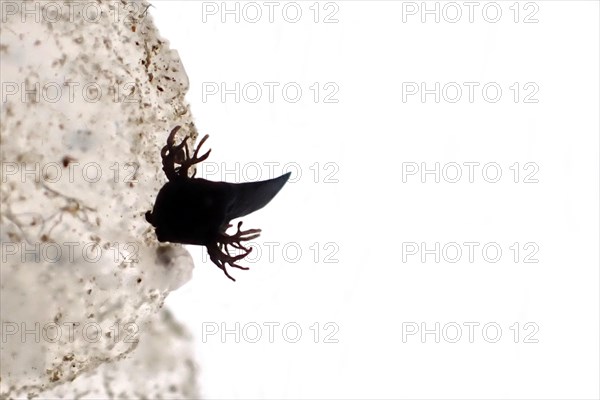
(252, 196)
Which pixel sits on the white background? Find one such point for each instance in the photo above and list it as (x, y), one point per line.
(370, 294)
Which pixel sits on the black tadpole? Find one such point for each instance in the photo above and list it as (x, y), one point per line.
(197, 211)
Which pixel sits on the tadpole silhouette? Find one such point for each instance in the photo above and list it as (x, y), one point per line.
(197, 211)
